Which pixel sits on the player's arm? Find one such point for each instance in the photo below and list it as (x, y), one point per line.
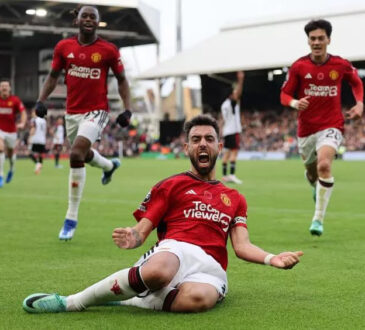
(123, 88)
(358, 90)
(47, 88)
(288, 90)
(132, 237)
(245, 250)
(23, 120)
(238, 89)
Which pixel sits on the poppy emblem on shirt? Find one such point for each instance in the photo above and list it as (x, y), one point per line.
(96, 57)
(82, 56)
(225, 199)
(334, 74)
(320, 76)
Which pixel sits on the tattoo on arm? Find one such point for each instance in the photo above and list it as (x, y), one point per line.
(137, 238)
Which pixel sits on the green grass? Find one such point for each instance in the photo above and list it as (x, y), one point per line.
(325, 291)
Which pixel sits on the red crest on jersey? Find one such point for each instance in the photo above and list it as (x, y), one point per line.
(334, 74)
(96, 57)
(225, 199)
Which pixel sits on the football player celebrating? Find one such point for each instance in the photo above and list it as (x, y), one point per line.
(10, 106)
(86, 59)
(194, 215)
(313, 87)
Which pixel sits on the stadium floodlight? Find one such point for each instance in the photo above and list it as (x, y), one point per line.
(41, 12)
(30, 11)
(103, 24)
(277, 72)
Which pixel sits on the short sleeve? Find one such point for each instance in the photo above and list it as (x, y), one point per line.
(291, 83)
(116, 63)
(154, 206)
(240, 217)
(19, 105)
(58, 61)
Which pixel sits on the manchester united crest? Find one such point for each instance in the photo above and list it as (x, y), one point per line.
(334, 74)
(10, 103)
(96, 57)
(225, 199)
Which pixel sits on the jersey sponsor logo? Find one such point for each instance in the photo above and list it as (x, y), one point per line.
(71, 55)
(225, 199)
(334, 74)
(96, 57)
(324, 91)
(6, 111)
(320, 76)
(190, 192)
(208, 212)
(308, 76)
(84, 72)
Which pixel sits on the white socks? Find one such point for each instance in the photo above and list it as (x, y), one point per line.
(113, 288)
(155, 300)
(76, 182)
(323, 193)
(100, 161)
(2, 161)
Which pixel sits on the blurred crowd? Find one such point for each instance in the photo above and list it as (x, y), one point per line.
(262, 131)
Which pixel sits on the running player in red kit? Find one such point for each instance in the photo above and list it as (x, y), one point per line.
(313, 87)
(10, 106)
(194, 215)
(86, 60)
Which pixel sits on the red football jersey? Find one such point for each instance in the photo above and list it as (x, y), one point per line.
(8, 110)
(86, 72)
(323, 84)
(187, 209)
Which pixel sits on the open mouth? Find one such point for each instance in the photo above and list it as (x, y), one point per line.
(203, 158)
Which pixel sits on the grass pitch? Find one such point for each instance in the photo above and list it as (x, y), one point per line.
(325, 291)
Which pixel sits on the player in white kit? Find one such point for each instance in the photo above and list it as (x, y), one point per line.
(37, 139)
(58, 140)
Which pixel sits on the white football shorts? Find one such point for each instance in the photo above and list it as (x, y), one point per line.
(195, 265)
(9, 139)
(89, 125)
(309, 145)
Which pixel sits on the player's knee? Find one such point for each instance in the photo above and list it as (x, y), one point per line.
(199, 301)
(157, 277)
(77, 155)
(324, 167)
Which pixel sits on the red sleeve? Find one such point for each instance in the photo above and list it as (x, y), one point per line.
(58, 61)
(19, 105)
(154, 206)
(240, 217)
(116, 61)
(355, 82)
(290, 86)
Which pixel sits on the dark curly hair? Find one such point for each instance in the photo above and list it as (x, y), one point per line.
(206, 120)
(318, 24)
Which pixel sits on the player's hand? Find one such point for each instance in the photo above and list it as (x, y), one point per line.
(286, 260)
(240, 75)
(20, 126)
(124, 118)
(303, 103)
(126, 238)
(40, 109)
(356, 111)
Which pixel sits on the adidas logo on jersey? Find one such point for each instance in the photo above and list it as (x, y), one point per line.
(308, 76)
(190, 192)
(71, 55)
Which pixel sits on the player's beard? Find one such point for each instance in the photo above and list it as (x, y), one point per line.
(203, 170)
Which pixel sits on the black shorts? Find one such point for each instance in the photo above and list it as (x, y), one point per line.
(39, 148)
(232, 141)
